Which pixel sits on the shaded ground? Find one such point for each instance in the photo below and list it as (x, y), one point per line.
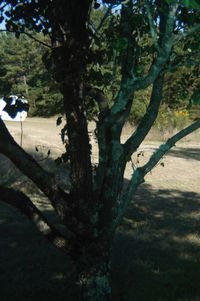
(156, 252)
(188, 153)
(30, 268)
(157, 249)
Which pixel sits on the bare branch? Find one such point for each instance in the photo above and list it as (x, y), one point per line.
(140, 172)
(148, 119)
(43, 179)
(138, 83)
(165, 46)
(23, 203)
(151, 25)
(127, 196)
(102, 131)
(164, 148)
(123, 102)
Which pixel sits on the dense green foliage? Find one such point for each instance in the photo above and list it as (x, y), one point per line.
(24, 73)
(182, 81)
(23, 70)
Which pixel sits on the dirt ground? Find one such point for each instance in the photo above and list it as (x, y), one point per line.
(181, 168)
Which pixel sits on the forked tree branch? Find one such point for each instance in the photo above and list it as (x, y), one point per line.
(165, 147)
(166, 39)
(44, 180)
(140, 172)
(23, 203)
(165, 46)
(148, 119)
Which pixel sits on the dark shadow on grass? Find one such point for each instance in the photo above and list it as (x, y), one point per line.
(11, 176)
(156, 253)
(192, 153)
(155, 257)
(30, 268)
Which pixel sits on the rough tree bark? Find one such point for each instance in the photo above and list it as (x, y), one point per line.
(94, 207)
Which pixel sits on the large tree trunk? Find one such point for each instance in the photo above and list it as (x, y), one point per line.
(93, 255)
(93, 273)
(78, 146)
(95, 286)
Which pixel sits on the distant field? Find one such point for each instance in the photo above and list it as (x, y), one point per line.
(156, 253)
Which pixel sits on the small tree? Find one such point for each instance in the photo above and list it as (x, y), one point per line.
(96, 202)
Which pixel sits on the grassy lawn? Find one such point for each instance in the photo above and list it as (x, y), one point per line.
(155, 254)
(30, 268)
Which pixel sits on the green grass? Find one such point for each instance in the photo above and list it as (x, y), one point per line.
(30, 268)
(157, 250)
(155, 255)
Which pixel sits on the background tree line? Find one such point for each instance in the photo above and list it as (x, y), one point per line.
(23, 71)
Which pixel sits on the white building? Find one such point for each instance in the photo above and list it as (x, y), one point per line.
(16, 102)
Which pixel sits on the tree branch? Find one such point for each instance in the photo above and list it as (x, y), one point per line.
(22, 202)
(165, 45)
(148, 119)
(127, 196)
(140, 172)
(129, 61)
(164, 148)
(152, 26)
(43, 179)
(132, 84)
(102, 132)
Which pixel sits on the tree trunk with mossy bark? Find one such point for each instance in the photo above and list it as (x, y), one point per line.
(96, 202)
(93, 273)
